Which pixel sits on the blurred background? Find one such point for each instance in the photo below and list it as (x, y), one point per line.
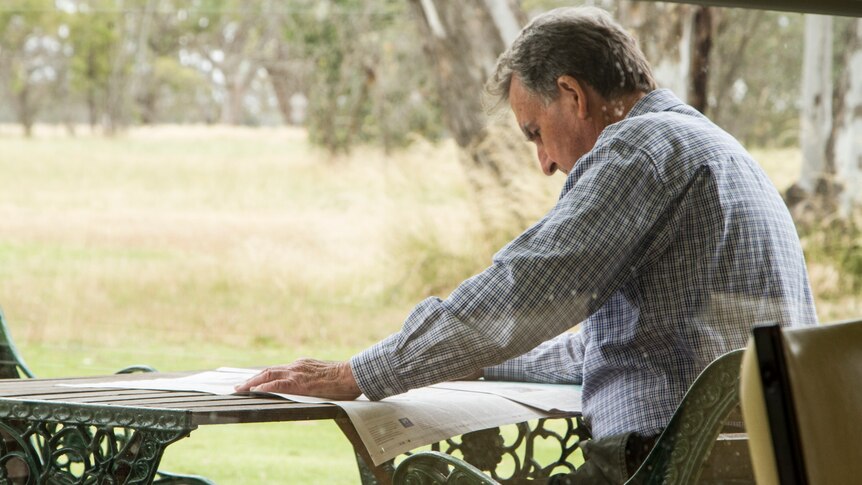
(191, 184)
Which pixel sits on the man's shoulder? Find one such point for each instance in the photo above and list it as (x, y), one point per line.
(660, 128)
(678, 132)
(678, 142)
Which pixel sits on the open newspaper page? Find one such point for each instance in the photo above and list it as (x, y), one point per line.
(401, 423)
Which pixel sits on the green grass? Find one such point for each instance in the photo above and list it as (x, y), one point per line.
(198, 247)
(266, 453)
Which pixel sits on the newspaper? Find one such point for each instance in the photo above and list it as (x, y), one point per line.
(401, 423)
(551, 398)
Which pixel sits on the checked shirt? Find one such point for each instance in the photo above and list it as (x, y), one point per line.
(667, 244)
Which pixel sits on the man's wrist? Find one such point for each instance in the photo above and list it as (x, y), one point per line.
(374, 374)
(347, 379)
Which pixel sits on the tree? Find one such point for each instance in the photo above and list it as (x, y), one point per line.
(287, 71)
(666, 35)
(361, 78)
(831, 123)
(816, 122)
(31, 58)
(227, 38)
(848, 123)
(700, 58)
(170, 88)
(109, 43)
(92, 36)
(463, 40)
(345, 59)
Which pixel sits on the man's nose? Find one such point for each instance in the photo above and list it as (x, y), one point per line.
(548, 165)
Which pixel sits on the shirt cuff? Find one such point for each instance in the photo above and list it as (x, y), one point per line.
(374, 373)
(512, 370)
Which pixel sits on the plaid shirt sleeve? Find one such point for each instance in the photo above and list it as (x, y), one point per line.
(544, 282)
(556, 361)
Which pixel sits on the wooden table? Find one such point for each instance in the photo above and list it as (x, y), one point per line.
(51, 431)
(56, 434)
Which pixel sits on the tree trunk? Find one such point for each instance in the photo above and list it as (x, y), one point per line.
(232, 108)
(464, 40)
(816, 122)
(665, 33)
(277, 61)
(731, 64)
(282, 89)
(122, 82)
(814, 198)
(26, 111)
(92, 107)
(699, 69)
(848, 129)
(239, 72)
(116, 96)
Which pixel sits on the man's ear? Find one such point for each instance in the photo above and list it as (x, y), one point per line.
(574, 92)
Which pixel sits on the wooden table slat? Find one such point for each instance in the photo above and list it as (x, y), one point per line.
(90, 395)
(43, 400)
(204, 408)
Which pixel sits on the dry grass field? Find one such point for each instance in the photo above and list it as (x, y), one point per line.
(196, 247)
(232, 237)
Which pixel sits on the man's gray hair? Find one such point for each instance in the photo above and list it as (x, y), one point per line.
(582, 42)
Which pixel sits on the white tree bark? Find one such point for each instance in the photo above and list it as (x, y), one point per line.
(505, 19)
(816, 113)
(683, 77)
(464, 40)
(670, 29)
(433, 19)
(848, 142)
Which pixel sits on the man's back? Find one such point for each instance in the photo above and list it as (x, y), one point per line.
(718, 253)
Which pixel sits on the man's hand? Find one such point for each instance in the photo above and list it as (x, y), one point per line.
(307, 377)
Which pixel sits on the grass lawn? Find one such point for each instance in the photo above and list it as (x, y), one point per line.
(198, 247)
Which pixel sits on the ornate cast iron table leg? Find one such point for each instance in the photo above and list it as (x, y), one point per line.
(514, 460)
(84, 444)
(508, 459)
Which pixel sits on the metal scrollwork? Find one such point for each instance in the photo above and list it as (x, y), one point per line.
(85, 447)
(535, 451)
(484, 448)
(508, 455)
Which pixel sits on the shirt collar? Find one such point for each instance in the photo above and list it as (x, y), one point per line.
(655, 101)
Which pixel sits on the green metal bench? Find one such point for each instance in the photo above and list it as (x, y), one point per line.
(701, 444)
(12, 366)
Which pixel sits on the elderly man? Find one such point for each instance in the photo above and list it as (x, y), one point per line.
(667, 243)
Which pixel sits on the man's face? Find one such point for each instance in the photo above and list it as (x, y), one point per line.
(561, 136)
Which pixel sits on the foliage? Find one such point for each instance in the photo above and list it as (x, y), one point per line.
(369, 86)
(93, 38)
(835, 243)
(150, 61)
(756, 76)
(29, 46)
